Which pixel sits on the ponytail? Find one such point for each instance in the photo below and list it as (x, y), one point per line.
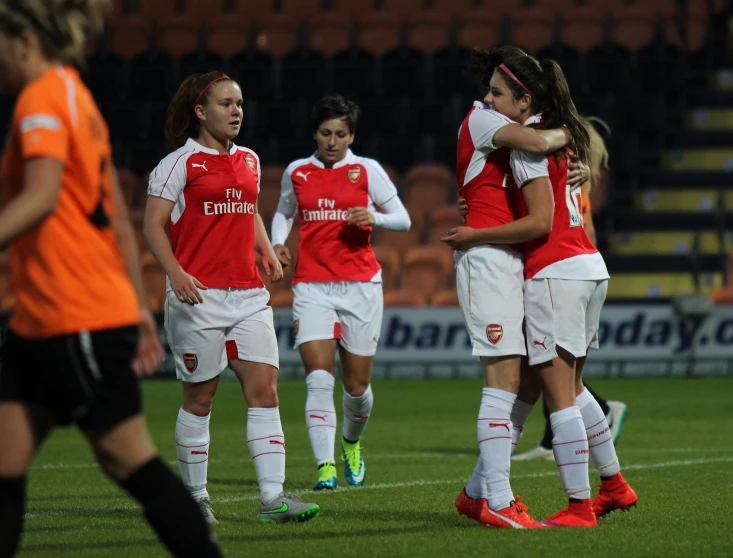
(558, 109)
(181, 121)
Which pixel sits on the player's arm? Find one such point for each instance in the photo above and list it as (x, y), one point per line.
(264, 248)
(392, 214)
(37, 200)
(530, 140)
(282, 221)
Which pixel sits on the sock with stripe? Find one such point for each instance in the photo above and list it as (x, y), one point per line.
(495, 442)
(12, 513)
(266, 443)
(600, 440)
(356, 414)
(320, 415)
(571, 452)
(520, 413)
(476, 487)
(192, 447)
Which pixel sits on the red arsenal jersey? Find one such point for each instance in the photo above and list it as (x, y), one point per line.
(212, 223)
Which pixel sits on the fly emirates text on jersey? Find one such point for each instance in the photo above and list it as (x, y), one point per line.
(231, 205)
(326, 212)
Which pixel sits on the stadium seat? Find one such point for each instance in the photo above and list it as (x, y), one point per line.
(402, 240)
(428, 185)
(303, 10)
(660, 243)
(404, 299)
(226, 40)
(355, 9)
(696, 201)
(712, 242)
(271, 176)
(129, 38)
(557, 7)
(178, 40)
(130, 186)
(154, 281)
(698, 159)
(427, 269)
(728, 200)
(441, 221)
(609, 7)
(532, 29)
(582, 28)
(428, 32)
(282, 299)
(450, 9)
(394, 176)
(329, 34)
(691, 34)
(390, 260)
(660, 285)
(634, 28)
(267, 201)
(402, 8)
(478, 29)
(277, 36)
(447, 297)
(379, 33)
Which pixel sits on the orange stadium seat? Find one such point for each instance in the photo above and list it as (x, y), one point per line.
(428, 185)
(355, 9)
(267, 203)
(232, 12)
(441, 221)
(447, 297)
(431, 172)
(607, 7)
(428, 32)
(403, 240)
(129, 37)
(282, 299)
(379, 34)
(532, 29)
(178, 40)
(691, 35)
(390, 261)
(452, 8)
(427, 269)
(402, 8)
(558, 7)
(271, 176)
(153, 282)
(583, 28)
(404, 299)
(633, 28)
(302, 9)
(394, 176)
(478, 29)
(278, 35)
(226, 40)
(329, 34)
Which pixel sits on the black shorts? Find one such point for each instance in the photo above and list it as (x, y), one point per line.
(84, 378)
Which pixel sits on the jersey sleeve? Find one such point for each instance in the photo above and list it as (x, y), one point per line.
(527, 167)
(287, 204)
(381, 188)
(168, 179)
(43, 126)
(483, 124)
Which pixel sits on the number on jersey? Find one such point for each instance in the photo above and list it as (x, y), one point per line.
(573, 200)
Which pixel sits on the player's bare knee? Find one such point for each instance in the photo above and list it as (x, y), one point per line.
(263, 397)
(355, 388)
(198, 404)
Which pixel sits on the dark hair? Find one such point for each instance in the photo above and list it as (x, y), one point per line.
(546, 83)
(181, 121)
(335, 106)
(61, 25)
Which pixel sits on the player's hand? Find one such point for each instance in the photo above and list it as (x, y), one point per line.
(578, 173)
(150, 354)
(462, 209)
(361, 217)
(186, 288)
(271, 265)
(282, 253)
(460, 238)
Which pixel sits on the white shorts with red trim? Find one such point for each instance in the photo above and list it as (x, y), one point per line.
(350, 311)
(231, 324)
(489, 282)
(562, 312)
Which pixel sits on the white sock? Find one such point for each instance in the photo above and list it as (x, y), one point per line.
(520, 413)
(600, 441)
(320, 415)
(192, 447)
(356, 413)
(266, 444)
(495, 443)
(571, 452)
(476, 487)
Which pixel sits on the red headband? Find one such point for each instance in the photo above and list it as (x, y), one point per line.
(508, 72)
(196, 102)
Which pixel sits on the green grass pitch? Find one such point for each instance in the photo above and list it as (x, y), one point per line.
(420, 448)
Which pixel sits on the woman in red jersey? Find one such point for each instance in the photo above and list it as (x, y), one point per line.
(80, 333)
(216, 312)
(337, 280)
(566, 284)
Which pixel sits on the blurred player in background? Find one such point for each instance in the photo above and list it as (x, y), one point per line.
(615, 411)
(489, 282)
(216, 311)
(79, 334)
(566, 284)
(337, 280)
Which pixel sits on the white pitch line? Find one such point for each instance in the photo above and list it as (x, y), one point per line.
(387, 486)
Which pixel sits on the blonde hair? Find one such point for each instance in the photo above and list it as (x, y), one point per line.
(598, 150)
(61, 25)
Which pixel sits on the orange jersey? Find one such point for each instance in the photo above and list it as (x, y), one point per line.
(67, 273)
(585, 209)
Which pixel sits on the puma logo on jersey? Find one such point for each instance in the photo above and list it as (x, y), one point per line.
(540, 343)
(303, 175)
(201, 166)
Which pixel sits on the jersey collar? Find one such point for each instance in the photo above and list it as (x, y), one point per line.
(192, 143)
(535, 119)
(348, 160)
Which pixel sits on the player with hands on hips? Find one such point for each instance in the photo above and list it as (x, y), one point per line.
(337, 282)
(216, 313)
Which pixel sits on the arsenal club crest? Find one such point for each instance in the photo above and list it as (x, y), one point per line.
(494, 333)
(251, 163)
(191, 362)
(355, 174)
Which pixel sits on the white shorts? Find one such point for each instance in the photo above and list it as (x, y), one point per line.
(350, 311)
(231, 324)
(562, 312)
(489, 281)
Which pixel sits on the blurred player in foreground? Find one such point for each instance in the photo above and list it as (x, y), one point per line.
(80, 334)
(337, 281)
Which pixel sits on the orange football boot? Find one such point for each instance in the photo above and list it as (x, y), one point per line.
(615, 494)
(577, 514)
(473, 508)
